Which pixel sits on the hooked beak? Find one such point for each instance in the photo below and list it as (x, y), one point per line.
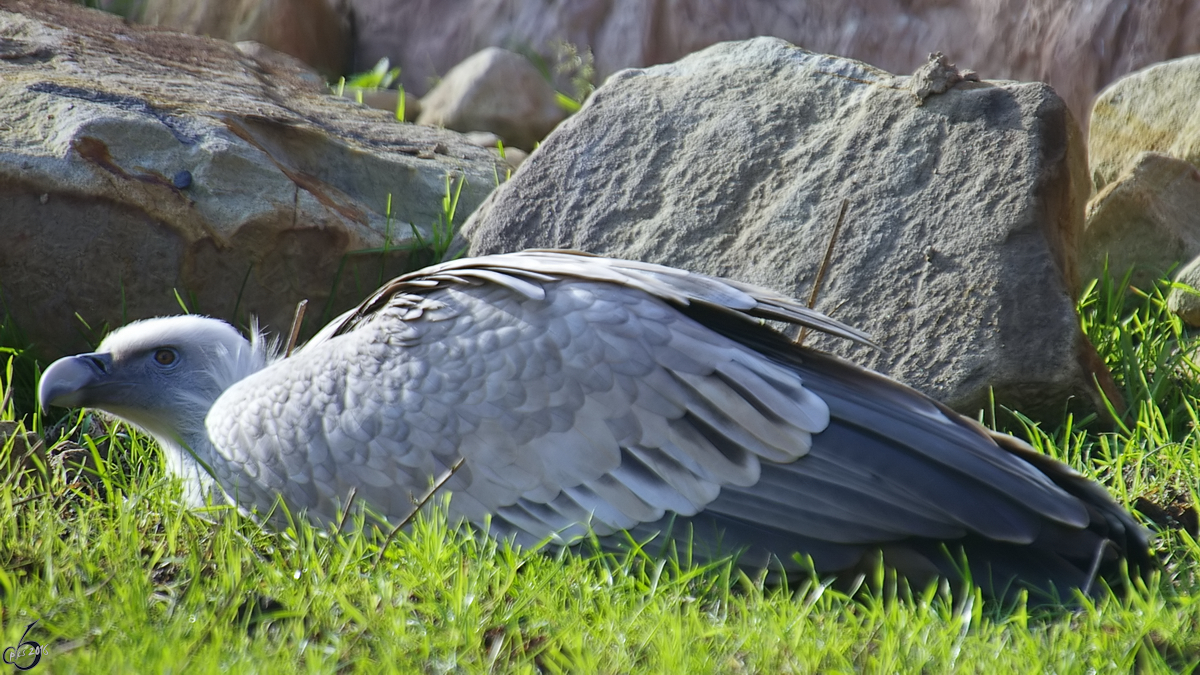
(72, 381)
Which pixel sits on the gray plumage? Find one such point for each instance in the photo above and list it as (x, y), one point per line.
(584, 392)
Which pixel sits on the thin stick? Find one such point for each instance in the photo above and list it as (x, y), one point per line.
(346, 511)
(419, 503)
(18, 502)
(8, 394)
(816, 289)
(295, 332)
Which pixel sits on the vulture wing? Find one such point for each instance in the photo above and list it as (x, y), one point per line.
(590, 392)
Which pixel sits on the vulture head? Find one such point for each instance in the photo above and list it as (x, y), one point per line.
(576, 395)
(162, 375)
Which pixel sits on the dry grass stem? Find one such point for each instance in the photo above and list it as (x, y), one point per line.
(294, 333)
(816, 289)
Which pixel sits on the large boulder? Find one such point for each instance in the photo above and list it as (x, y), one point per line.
(1077, 47)
(137, 163)
(958, 248)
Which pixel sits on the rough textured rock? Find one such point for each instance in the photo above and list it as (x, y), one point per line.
(1148, 219)
(313, 31)
(1077, 47)
(1186, 301)
(497, 91)
(1151, 110)
(135, 163)
(958, 248)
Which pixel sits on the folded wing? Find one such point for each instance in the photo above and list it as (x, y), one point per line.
(586, 392)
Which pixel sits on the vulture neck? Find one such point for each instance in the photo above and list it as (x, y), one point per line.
(181, 455)
(189, 451)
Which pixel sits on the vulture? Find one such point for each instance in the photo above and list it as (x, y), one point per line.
(558, 396)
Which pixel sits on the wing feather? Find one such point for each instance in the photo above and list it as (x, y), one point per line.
(684, 478)
(666, 493)
(719, 409)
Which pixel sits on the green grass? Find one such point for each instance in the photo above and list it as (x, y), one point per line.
(121, 578)
(18, 370)
(378, 78)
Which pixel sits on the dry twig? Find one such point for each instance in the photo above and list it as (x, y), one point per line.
(295, 332)
(346, 510)
(816, 289)
(419, 503)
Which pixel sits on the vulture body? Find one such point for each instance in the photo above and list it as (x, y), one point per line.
(584, 392)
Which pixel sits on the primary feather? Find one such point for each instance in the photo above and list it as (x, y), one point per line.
(584, 392)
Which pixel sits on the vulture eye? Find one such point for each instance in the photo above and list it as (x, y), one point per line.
(165, 356)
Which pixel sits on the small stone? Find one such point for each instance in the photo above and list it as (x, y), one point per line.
(182, 180)
(44, 198)
(498, 91)
(937, 76)
(1184, 299)
(1151, 110)
(514, 157)
(483, 139)
(1147, 220)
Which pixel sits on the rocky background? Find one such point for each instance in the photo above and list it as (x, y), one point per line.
(1076, 47)
(230, 168)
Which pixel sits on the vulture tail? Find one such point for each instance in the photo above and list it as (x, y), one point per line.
(951, 489)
